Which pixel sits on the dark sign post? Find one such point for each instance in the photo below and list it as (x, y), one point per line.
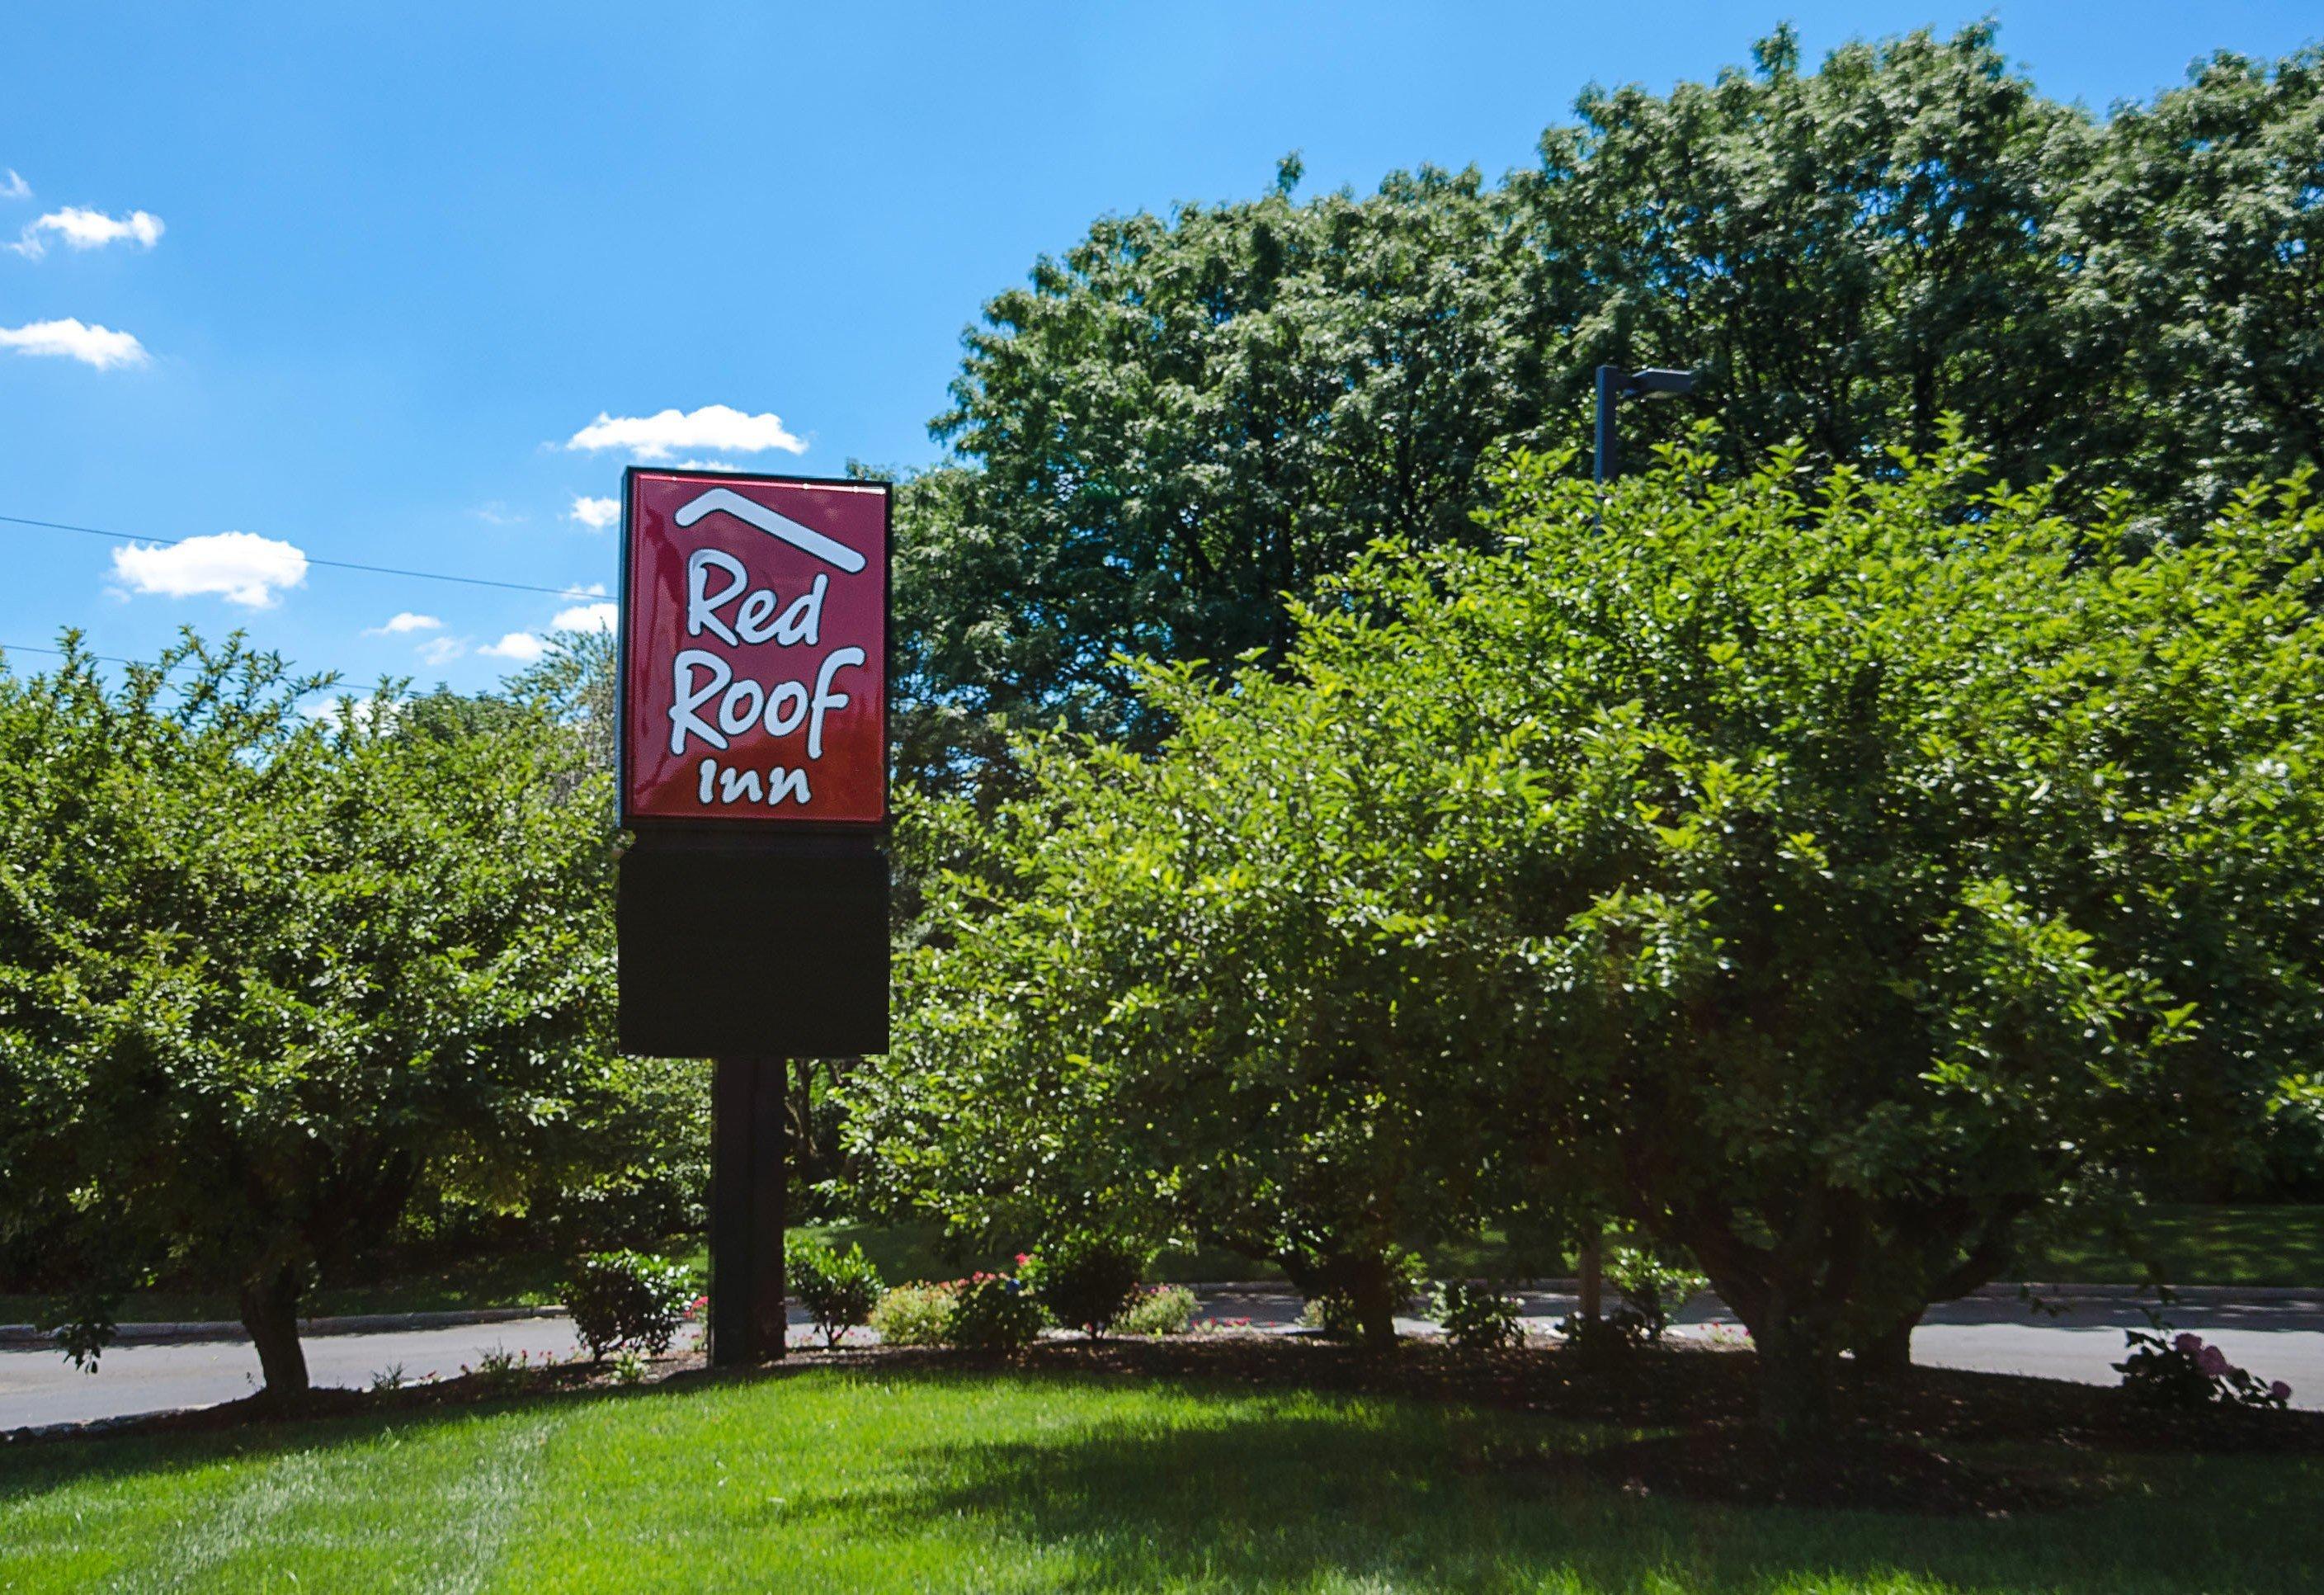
(752, 908)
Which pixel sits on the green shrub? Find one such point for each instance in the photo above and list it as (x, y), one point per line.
(992, 1313)
(629, 1299)
(1654, 1284)
(2179, 1370)
(1161, 1309)
(1476, 1317)
(1616, 1334)
(917, 1315)
(839, 1289)
(1086, 1281)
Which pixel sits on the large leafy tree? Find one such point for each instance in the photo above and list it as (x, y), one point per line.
(2194, 247)
(1182, 422)
(1843, 256)
(1175, 995)
(1837, 875)
(264, 979)
(1183, 419)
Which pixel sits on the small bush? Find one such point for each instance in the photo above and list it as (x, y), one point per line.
(1617, 1335)
(839, 1289)
(629, 1299)
(1086, 1281)
(1476, 1317)
(914, 1315)
(1654, 1286)
(2180, 1372)
(502, 1368)
(1162, 1309)
(992, 1313)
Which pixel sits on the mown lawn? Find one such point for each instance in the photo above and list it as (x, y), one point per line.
(954, 1479)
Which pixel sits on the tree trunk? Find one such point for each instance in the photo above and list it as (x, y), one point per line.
(269, 1311)
(1796, 1379)
(1373, 1289)
(1888, 1353)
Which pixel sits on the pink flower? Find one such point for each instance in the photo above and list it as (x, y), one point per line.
(2280, 1390)
(2211, 1361)
(2187, 1344)
(1020, 1258)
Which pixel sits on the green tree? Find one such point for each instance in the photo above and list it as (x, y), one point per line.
(1844, 255)
(267, 978)
(1173, 999)
(1832, 874)
(1183, 422)
(2195, 256)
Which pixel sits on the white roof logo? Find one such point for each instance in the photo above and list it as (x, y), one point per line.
(803, 538)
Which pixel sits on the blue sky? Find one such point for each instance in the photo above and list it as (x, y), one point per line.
(382, 271)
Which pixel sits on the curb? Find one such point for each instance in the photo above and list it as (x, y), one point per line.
(30, 1337)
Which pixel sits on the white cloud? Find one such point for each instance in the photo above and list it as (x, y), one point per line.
(595, 513)
(706, 465)
(397, 624)
(349, 710)
(241, 567)
(101, 347)
(15, 188)
(89, 230)
(443, 650)
(587, 617)
(522, 647)
(497, 513)
(719, 426)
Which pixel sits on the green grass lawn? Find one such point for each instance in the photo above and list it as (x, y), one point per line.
(2196, 1245)
(942, 1480)
(2193, 1245)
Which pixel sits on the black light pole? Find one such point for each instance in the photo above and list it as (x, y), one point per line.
(1615, 385)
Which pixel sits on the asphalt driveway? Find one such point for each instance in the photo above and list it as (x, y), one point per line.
(2276, 1338)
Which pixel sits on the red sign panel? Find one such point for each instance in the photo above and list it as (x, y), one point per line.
(754, 649)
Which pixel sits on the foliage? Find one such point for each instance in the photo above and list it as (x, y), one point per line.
(839, 1289)
(629, 1299)
(992, 1313)
(272, 980)
(1475, 1315)
(1084, 1279)
(1183, 419)
(1612, 1335)
(1160, 1310)
(1654, 1285)
(914, 1315)
(1828, 872)
(2179, 1370)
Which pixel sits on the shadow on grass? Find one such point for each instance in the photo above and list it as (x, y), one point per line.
(1299, 1490)
(1226, 1485)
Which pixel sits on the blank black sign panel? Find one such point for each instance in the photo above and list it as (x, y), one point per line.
(744, 951)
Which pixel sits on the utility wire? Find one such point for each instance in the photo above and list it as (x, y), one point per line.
(103, 658)
(425, 576)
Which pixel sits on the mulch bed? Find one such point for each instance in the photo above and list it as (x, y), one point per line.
(1894, 1448)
